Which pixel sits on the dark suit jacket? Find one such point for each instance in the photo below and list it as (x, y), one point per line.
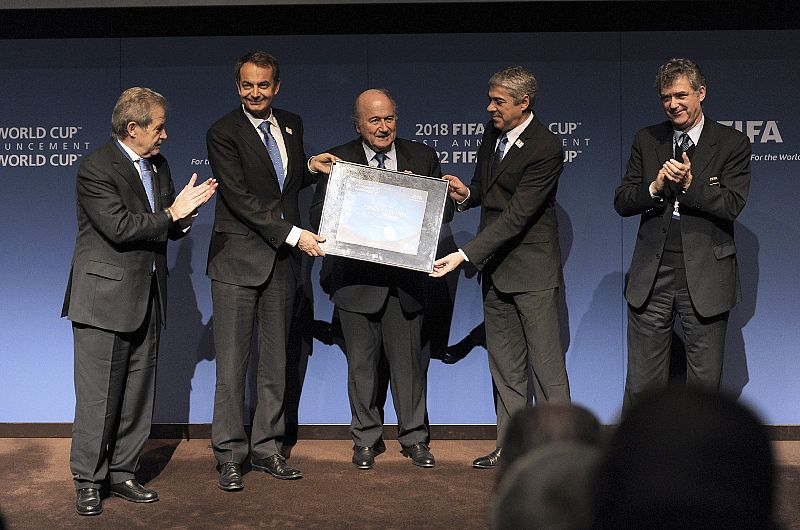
(517, 243)
(720, 182)
(360, 286)
(248, 227)
(119, 239)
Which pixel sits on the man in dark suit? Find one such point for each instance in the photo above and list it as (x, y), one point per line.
(256, 154)
(516, 249)
(688, 178)
(116, 295)
(380, 306)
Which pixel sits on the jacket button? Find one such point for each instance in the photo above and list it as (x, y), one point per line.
(658, 256)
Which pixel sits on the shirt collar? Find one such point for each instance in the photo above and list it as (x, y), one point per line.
(370, 153)
(515, 133)
(132, 156)
(694, 132)
(255, 122)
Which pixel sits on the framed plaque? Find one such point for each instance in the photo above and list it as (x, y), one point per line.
(382, 216)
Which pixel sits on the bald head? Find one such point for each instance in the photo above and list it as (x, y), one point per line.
(375, 118)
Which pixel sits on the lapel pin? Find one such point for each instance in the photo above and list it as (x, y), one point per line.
(288, 130)
(519, 143)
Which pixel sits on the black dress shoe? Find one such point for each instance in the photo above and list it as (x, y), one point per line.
(363, 457)
(131, 490)
(230, 477)
(420, 455)
(276, 466)
(489, 461)
(88, 502)
(380, 446)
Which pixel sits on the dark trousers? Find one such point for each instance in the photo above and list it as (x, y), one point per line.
(522, 331)
(650, 338)
(400, 336)
(236, 310)
(115, 377)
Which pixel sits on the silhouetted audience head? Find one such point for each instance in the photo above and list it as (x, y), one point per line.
(687, 458)
(549, 488)
(547, 422)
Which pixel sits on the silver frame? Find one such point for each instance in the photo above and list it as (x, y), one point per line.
(343, 175)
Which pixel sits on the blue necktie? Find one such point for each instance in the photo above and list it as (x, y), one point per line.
(148, 177)
(273, 151)
(381, 159)
(500, 152)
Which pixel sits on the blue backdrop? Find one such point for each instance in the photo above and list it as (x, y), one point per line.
(596, 90)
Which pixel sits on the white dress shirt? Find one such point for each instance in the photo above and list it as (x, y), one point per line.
(275, 130)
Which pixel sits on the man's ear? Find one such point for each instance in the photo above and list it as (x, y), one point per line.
(527, 100)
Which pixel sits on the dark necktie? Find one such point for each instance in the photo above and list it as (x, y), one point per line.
(273, 151)
(148, 177)
(381, 159)
(685, 144)
(499, 153)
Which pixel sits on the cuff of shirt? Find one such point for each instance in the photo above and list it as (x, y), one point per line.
(294, 236)
(463, 255)
(654, 196)
(460, 208)
(308, 165)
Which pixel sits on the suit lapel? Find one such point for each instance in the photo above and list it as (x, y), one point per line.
(359, 155)
(292, 149)
(705, 150)
(664, 144)
(160, 183)
(252, 138)
(513, 151)
(664, 151)
(354, 152)
(403, 160)
(487, 164)
(124, 167)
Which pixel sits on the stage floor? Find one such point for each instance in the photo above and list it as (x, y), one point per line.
(38, 492)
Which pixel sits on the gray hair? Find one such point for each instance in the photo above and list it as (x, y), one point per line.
(677, 67)
(136, 105)
(518, 81)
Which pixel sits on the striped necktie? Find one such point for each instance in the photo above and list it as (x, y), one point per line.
(684, 144)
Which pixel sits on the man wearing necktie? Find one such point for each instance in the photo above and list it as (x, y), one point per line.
(688, 179)
(256, 154)
(116, 296)
(516, 249)
(380, 306)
